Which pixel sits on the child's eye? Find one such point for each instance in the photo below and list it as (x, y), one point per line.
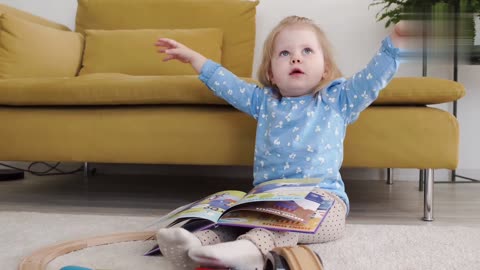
(307, 51)
(284, 53)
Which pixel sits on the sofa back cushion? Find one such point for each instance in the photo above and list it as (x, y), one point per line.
(30, 50)
(31, 18)
(235, 17)
(133, 52)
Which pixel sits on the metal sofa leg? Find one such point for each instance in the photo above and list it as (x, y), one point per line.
(88, 170)
(85, 170)
(428, 196)
(421, 179)
(389, 176)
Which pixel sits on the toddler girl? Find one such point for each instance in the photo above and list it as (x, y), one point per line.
(302, 113)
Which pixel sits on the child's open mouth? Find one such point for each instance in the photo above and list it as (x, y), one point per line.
(296, 71)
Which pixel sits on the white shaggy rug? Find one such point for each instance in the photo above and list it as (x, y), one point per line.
(364, 247)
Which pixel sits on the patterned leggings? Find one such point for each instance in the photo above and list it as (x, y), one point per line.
(332, 228)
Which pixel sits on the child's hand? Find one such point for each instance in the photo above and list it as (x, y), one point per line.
(176, 50)
(407, 34)
(396, 39)
(408, 37)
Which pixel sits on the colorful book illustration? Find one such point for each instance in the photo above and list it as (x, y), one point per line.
(287, 204)
(283, 205)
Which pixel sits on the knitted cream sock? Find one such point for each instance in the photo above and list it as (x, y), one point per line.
(174, 244)
(239, 254)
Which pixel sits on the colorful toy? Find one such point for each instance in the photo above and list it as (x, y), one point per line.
(207, 268)
(74, 267)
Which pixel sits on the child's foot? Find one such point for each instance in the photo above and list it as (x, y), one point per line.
(174, 244)
(240, 255)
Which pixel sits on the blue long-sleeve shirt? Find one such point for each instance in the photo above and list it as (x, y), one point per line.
(302, 137)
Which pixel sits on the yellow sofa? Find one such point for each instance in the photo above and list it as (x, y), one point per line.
(102, 93)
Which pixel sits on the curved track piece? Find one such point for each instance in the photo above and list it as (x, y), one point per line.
(293, 258)
(40, 258)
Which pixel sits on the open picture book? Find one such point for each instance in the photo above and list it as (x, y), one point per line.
(283, 205)
(287, 204)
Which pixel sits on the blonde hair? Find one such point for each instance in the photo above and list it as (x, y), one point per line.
(332, 71)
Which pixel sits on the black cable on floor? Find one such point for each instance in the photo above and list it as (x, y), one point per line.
(46, 172)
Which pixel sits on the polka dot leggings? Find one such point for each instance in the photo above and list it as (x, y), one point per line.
(332, 228)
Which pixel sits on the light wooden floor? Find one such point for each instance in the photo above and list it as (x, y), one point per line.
(372, 202)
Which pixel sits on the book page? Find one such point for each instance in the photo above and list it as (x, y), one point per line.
(280, 190)
(300, 211)
(253, 219)
(211, 207)
(289, 198)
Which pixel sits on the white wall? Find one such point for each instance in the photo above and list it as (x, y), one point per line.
(356, 36)
(61, 11)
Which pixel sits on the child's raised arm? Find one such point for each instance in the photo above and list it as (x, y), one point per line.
(242, 95)
(176, 50)
(350, 97)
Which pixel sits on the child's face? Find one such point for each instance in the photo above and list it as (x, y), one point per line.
(297, 61)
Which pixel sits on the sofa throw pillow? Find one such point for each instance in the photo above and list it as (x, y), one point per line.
(32, 50)
(4, 9)
(133, 52)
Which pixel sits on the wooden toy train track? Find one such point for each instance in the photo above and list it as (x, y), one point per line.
(39, 259)
(286, 258)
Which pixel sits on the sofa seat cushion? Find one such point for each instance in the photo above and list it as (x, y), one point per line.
(402, 137)
(121, 89)
(420, 91)
(383, 137)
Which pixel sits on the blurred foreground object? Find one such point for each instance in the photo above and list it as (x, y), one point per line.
(441, 28)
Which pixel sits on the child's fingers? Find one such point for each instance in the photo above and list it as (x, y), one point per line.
(173, 54)
(166, 51)
(178, 52)
(161, 44)
(166, 42)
